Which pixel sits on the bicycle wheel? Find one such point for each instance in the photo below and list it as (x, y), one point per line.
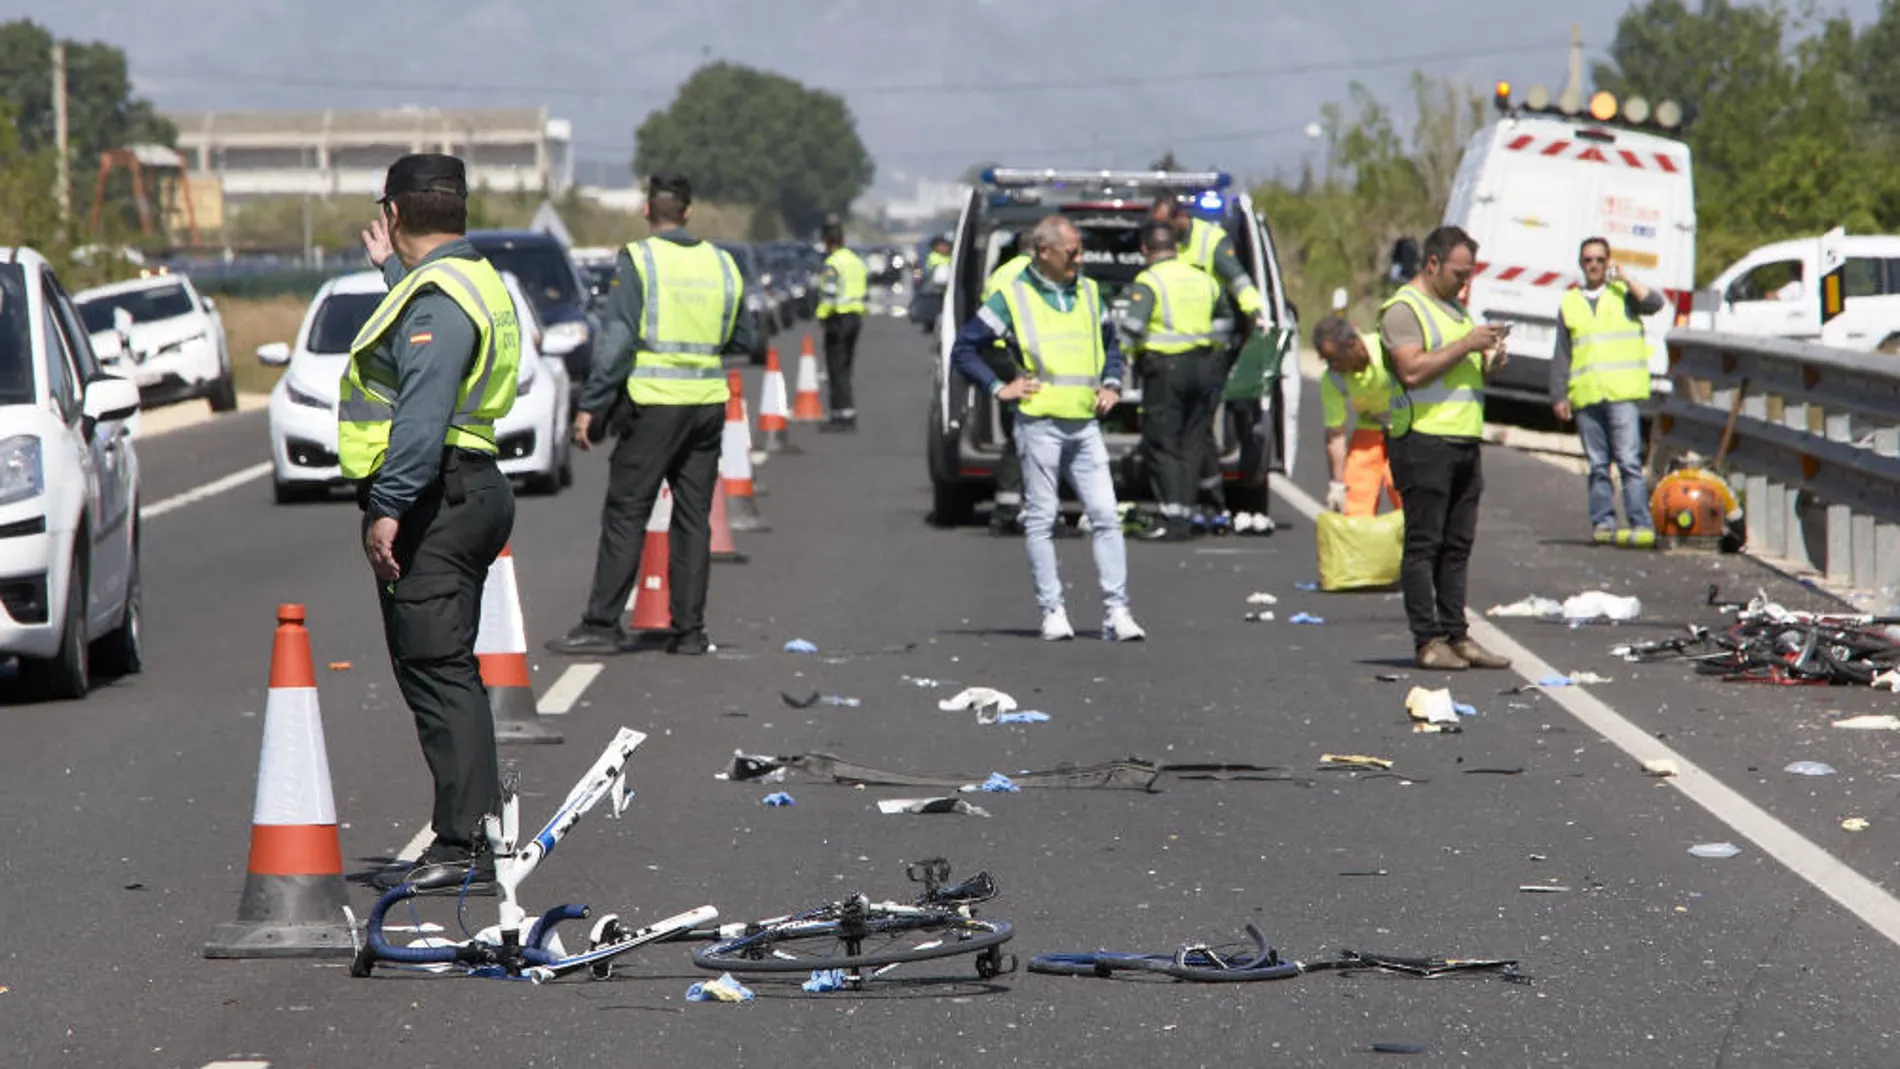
(858, 937)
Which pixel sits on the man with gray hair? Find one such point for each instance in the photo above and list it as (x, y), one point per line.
(1067, 371)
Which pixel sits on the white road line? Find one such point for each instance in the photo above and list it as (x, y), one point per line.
(211, 489)
(1826, 873)
(568, 689)
(237, 1065)
(414, 849)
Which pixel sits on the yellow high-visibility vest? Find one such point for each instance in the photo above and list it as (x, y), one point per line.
(1063, 349)
(1609, 360)
(1451, 405)
(691, 295)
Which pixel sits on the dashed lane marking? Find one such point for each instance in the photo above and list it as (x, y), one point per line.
(568, 689)
(1826, 873)
(211, 489)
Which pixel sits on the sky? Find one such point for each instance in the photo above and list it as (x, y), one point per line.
(1084, 83)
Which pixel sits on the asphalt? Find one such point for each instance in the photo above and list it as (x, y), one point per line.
(129, 812)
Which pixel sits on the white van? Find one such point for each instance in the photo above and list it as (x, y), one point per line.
(1772, 292)
(1530, 188)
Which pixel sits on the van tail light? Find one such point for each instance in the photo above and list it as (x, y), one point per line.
(1684, 300)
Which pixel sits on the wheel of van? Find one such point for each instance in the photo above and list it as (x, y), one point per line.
(1890, 345)
(122, 652)
(223, 393)
(952, 504)
(67, 675)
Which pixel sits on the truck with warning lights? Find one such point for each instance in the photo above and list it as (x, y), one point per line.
(1543, 177)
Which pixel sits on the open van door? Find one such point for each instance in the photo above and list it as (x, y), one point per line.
(1280, 408)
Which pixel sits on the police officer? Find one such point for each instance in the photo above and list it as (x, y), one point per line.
(1170, 321)
(1439, 359)
(429, 374)
(842, 289)
(673, 311)
(933, 281)
(1208, 246)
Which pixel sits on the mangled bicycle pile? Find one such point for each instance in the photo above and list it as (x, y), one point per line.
(1767, 643)
(840, 945)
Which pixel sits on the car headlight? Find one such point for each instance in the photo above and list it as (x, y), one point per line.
(754, 302)
(22, 475)
(298, 397)
(179, 345)
(563, 338)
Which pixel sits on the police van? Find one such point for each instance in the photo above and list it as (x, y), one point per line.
(1542, 178)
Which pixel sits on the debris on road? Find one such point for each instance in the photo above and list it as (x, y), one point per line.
(1533, 606)
(1262, 598)
(1431, 706)
(1305, 618)
(1574, 679)
(1265, 616)
(823, 980)
(894, 806)
(799, 645)
(1661, 767)
(996, 784)
(1423, 728)
(987, 701)
(1354, 760)
(724, 989)
(1027, 716)
(1309, 586)
(778, 798)
(1596, 604)
(1126, 774)
(1512, 771)
(1392, 677)
(1715, 850)
(815, 698)
(1854, 824)
(1809, 768)
(1541, 888)
(927, 683)
(1398, 1048)
(1876, 722)
(340, 666)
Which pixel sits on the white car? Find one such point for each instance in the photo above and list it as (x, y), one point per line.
(532, 437)
(159, 331)
(69, 491)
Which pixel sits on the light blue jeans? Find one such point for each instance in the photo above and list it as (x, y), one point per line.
(1050, 449)
(1612, 433)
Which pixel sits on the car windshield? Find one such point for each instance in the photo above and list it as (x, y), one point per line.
(338, 319)
(16, 339)
(1111, 248)
(543, 272)
(145, 306)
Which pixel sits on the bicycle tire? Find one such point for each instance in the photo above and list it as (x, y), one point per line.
(1194, 964)
(764, 951)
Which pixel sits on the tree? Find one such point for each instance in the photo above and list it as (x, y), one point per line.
(101, 111)
(755, 137)
(1167, 162)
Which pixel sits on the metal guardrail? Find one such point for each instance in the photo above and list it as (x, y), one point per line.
(1815, 429)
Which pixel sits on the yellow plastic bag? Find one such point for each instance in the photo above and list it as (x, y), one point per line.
(1356, 552)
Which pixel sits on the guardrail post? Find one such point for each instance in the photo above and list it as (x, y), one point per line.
(1842, 555)
(1886, 535)
(1794, 534)
(1765, 511)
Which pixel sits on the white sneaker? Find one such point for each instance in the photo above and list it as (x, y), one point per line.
(1055, 626)
(1121, 626)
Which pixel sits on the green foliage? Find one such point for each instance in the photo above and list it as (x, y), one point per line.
(752, 137)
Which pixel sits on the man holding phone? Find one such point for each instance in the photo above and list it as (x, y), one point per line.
(1439, 360)
(1599, 375)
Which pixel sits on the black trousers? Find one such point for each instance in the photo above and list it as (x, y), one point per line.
(1179, 395)
(1440, 480)
(841, 350)
(430, 617)
(678, 444)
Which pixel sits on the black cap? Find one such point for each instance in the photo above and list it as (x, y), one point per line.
(425, 172)
(670, 182)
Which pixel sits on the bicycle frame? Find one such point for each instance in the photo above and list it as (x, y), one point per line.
(535, 957)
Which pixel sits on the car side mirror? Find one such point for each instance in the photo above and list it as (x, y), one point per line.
(208, 304)
(111, 398)
(273, 354)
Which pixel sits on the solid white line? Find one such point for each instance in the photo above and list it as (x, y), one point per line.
(1826, 873)
(211, 489)
(237, 1065)
(568, 689)
(414, 849)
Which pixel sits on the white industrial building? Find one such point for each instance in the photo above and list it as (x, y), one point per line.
(322, 153)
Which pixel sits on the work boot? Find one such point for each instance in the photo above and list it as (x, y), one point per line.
(1640, 538)
(587, 640)
(1603, 536)
(692, 643)
(1439, 654)
(1477, 656)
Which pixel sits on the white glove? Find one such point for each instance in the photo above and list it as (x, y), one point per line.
(1336, 497)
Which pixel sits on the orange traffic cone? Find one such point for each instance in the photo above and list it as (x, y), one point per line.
(502, 647)
(294, 898)
(735, 469)
(806, 407)
(652, 608)
(724, 549)
(774, 431)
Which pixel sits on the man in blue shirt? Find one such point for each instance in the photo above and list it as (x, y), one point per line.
(1045, 318)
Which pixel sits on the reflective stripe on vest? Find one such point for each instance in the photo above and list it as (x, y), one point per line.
(1004, 274)
(1451, 405)
(1609, 360)
(1063, 349)
(1182, 319)
(365, 408)
(691, 297)
(1204, 240)
(849, 284)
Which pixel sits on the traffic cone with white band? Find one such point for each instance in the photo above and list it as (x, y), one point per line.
(652, 608)
(501, 645)
(806, 405)
(294, 898)
(774, 410)
(735, 467)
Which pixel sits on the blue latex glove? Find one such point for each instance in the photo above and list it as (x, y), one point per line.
(998, 783)
(1304, 618)
(777, 798)
(1027, 716)
(823, 980)
(799, 645)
